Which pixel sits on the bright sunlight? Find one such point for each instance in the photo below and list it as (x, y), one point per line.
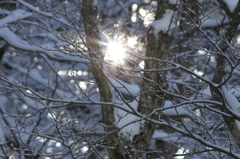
(115, 52)
(115, 48)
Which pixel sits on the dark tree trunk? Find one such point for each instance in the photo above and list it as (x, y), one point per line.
(220, 73)
(89, 13)
(152, 95)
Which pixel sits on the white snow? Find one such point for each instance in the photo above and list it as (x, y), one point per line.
(32, 103)
(14, 16)
(200, 1)
(211, 21)
(173, 1)
(231, 4)
(34, 8)
(36, 76)
(2, 11)
(104, 37)
(12, 39)
(95, 3)
(46, 35)
(165, 23)
(175, 111)
(2, 127)
(206, 93)
(15, 41)
(125, 88)
(160, 134)
(232, 102)
(123, 118)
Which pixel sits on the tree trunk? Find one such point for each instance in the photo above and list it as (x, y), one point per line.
(152, 95)
(220, 73)
(89, 13)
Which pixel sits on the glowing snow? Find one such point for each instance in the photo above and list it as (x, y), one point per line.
(165, 23)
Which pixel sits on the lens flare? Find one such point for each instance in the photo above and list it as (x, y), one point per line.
(115, 52)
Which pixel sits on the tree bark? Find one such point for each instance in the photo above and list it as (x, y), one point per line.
(152, 96)
(220, 73)
(89, 13)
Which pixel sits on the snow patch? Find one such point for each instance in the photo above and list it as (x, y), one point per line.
(206, 93)
(211, 21)
(232, 102)
(232, 4)
(3, 130)
(104, 37)
(175, 111)
(95, 3)
(173, 1)
(122, 118)
(124, 87)
(160, 134)
(165, 23)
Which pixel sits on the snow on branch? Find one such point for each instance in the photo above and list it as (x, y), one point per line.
(34, 8)
(175, 111)
(125, 88)
(164, 24)
(231, 4)
(46, 35)
(232, 103)
(12, 39)
(50, 15)
(3, 11)
(129, 124)
(14, 16)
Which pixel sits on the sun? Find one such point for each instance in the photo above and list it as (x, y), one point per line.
(115, 52)
(117, 48)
